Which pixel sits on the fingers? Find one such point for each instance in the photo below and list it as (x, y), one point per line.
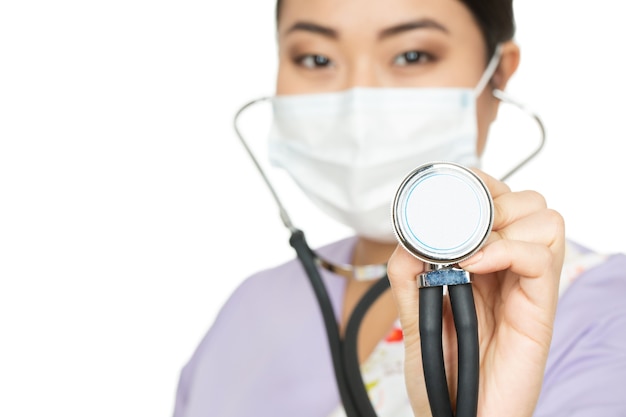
(544, 227)
(508, 205)
(496, 187)
(522, 215)
(512, 206)
(527, 239)
(527, 259)
(517, 274)
(532, 248)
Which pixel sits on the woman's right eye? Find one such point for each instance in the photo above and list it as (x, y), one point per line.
(313, 61)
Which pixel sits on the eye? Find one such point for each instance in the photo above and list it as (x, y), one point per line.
(313, 61)
(411, 58)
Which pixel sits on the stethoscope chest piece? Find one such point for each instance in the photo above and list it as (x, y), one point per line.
(442, 213)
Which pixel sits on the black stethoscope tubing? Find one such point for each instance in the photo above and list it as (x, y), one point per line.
(344, 352)
(430, 328)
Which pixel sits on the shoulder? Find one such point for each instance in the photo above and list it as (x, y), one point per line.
(269, 333)
(594, 293)
(285, 287)
(594, 302)
(279, 293)
(587, 359)
(599, 283)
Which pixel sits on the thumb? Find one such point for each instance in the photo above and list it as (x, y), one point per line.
(403, 270)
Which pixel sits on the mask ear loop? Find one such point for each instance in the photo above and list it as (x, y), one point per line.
(505, 98)
(492, 66)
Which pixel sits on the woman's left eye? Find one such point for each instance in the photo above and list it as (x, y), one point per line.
(314, 61)
(411, 58)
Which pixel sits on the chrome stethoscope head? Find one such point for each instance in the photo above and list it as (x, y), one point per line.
(442, 213)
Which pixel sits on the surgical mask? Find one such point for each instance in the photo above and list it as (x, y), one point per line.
(349, 150)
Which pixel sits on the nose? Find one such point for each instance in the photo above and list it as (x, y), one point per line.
(362, 73)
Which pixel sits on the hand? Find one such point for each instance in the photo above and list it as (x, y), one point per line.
(515, 284)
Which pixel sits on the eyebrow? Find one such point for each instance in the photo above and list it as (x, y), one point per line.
(412, 25)
(313, 28)
(331, 33)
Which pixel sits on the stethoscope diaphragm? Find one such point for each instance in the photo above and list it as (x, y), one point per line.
(442, 213)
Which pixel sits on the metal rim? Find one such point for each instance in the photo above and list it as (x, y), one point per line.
(406, 235)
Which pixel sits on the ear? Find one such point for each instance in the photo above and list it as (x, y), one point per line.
(509, 61)
(508, 65)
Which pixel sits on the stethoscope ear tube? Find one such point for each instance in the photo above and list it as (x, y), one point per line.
(505, 98)
(307, 259)
(351, 353)
(344, 353)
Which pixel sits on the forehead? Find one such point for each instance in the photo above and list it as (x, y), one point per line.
(371, 16)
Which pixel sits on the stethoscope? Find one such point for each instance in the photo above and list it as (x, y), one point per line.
(441, 241)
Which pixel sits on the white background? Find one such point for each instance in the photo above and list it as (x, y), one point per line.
(129, 211)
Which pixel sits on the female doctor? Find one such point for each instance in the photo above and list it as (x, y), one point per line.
(353, 66)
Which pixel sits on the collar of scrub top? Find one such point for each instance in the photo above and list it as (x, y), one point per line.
(374, 271)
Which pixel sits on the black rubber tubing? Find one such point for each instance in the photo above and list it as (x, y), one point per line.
(466, 324)
(307, 259)
(350, 351)
(349, 380)
(430, 328)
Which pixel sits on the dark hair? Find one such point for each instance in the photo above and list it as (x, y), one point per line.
(495, 18)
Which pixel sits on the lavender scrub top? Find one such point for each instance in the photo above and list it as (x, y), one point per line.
(266, 353)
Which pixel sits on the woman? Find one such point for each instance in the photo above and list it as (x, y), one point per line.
(266, 354)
